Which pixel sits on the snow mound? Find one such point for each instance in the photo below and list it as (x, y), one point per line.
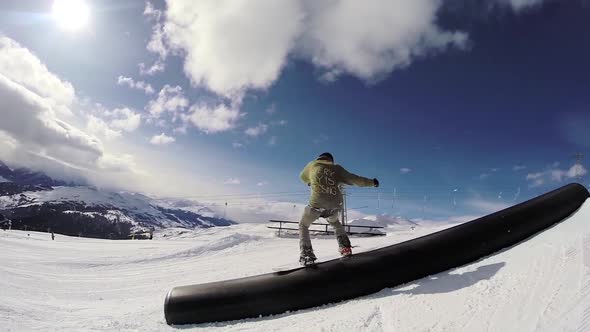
(225, 243)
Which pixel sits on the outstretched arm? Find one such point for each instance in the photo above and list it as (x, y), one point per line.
(356, 180)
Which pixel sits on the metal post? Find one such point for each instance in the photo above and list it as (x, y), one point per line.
(344, 215)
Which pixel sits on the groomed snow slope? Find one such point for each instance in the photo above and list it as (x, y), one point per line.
(88, 284)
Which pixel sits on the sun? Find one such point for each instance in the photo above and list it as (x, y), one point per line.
(71, 14)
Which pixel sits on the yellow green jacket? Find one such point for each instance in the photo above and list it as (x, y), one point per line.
(325, 179)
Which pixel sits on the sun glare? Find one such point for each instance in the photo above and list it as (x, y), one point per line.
(71, 14)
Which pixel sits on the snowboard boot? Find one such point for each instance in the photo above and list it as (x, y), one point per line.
(346, 251)
(307, 257)
(344, 246)
(306, 260)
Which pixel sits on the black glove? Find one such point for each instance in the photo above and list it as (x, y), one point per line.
(375, 182)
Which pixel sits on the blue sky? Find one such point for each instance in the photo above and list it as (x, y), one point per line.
(458, 108)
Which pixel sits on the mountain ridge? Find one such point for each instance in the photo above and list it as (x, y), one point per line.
(34, 201)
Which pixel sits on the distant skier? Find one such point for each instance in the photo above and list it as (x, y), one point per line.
(325, 179)
(52, 236)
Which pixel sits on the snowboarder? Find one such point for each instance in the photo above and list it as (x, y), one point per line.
(325, 179)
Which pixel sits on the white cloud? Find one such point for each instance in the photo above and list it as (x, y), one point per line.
(139, 85)
(517, 168)
(534, 176)
(519, 5)
(30, 119)
(330, 76)
(157, 67)
(39, 130)
(262, 183)
(370, 40)
(230, 46)
(21, 66)
(554, 174)
(34, 104)
(232, 181)
(182, 129)
(120, 163)
(170, 99)
(33, 136)
(125, 119)
(257, 130)
(405, 170)
(213, 120)
(536, 179)
(487, 206)
(484, 176)
(576, 170)
(260, 209)
(237, 145)
(162, 139)
(559, 175)
(111, 124)
(151, 12)
(98, 127)
(156, 43)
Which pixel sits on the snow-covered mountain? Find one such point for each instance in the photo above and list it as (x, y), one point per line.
(35, 201)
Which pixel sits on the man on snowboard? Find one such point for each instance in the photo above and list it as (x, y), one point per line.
(325, 179)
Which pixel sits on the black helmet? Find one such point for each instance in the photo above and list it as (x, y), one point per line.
(326, 156)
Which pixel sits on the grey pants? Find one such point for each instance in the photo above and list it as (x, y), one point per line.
(312, 214)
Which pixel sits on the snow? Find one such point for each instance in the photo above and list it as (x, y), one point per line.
(3, 180)
(76, 284)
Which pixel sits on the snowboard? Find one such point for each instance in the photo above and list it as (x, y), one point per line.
(298, 266)
(293, 266)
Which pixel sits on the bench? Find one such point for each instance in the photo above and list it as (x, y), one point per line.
(284, 226)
